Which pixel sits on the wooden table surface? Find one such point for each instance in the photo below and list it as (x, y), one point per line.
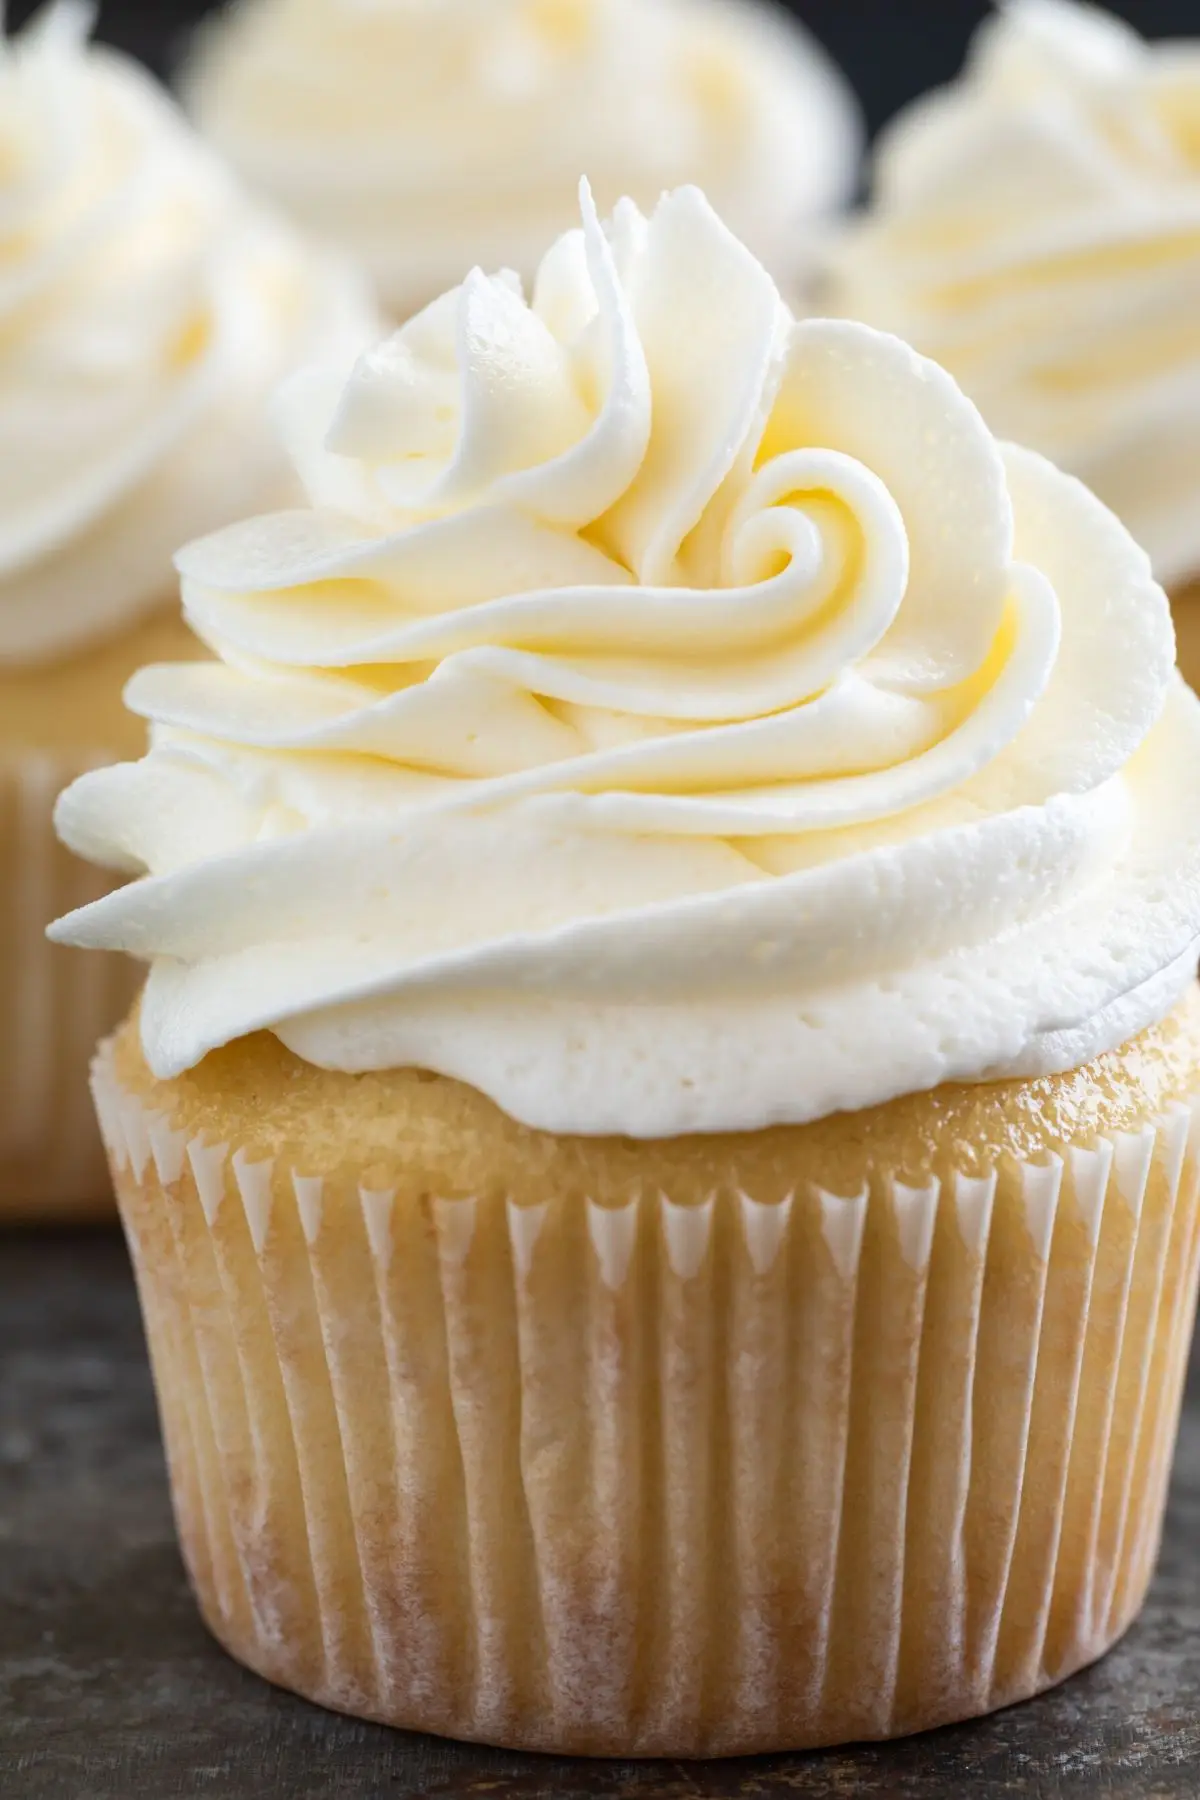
(110, 1688)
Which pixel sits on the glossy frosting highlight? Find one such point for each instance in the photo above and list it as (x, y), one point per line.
(377, 121)
(146, 312)
(1036, 229)
(667, 717)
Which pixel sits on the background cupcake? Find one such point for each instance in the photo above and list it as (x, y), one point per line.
(677, 747)
(1036, 229)
(427, 138)
(146, 313)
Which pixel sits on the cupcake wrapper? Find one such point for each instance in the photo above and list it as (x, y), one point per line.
(55, 1004)
(662, 1480)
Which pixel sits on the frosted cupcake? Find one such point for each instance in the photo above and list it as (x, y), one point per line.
(145, 314)
(660, 1142)
(430, 137)
(1036, 228)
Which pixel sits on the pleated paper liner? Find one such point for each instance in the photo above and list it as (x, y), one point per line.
(667, 1480)
(54, 1004)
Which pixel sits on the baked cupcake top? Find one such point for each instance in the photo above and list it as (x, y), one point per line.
(146, 311)
(426, 135)
(666, 717)
(1036, 229)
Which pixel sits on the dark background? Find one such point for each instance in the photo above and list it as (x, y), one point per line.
(891, 49)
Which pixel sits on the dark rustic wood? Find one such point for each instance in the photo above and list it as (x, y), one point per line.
(111, 1690)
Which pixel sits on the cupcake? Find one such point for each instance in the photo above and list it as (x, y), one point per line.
(428, 138)
(146, 311)
(1036, 229)
(660, 1140)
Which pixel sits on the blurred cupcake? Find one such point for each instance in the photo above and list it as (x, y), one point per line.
(660, 1140)
(1036, 229)
(145, 314)
(430, 137)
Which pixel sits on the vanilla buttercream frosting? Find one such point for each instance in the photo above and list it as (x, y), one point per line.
(1036, 229)
(146, 312)
(667, 716)
(427, 135)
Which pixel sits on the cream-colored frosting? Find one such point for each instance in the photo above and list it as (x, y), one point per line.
(146, 312)
(1036, 229)
(668, 716)
(428, 135)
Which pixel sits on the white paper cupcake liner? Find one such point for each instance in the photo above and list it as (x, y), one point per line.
(55, 1004)
(667, 1480)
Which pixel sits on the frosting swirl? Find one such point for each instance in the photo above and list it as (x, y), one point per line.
(146, 311)
(1036, 229)
(377, 121)
(669, 716)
